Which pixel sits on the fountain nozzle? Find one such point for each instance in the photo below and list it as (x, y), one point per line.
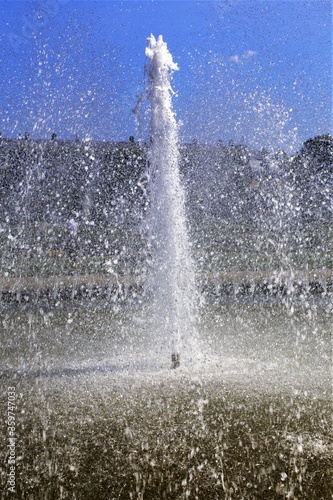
(175, 362)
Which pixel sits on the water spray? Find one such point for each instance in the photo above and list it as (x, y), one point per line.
(173, 272)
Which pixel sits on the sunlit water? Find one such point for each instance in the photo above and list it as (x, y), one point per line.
(98, 418)
(253, 334)
(100, 414)
(171, 279)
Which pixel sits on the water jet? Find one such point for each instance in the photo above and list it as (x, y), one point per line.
(172, 276)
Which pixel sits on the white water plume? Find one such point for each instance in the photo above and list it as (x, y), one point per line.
(172, 274)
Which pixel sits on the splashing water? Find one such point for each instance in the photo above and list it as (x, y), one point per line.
(172, 276)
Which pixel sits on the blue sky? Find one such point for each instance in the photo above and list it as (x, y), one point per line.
(254, 71)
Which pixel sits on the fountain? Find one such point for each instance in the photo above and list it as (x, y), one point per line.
(172, 278)
(104, 265)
